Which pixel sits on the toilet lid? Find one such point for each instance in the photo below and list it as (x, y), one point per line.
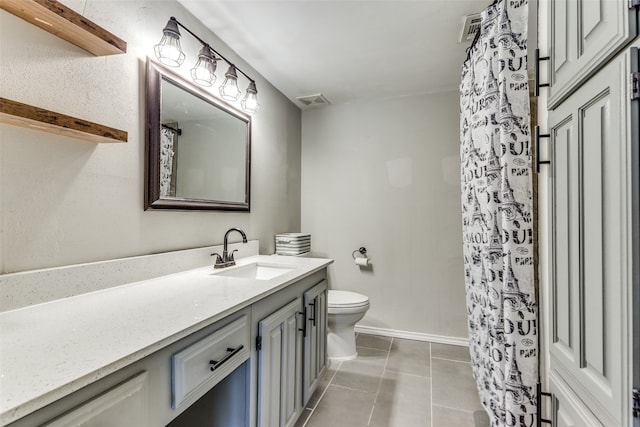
(346, 299)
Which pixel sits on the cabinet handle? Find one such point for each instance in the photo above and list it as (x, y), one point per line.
(537, 85)
(313, 319)
(536, 138)
(215, 364)
(304, 322)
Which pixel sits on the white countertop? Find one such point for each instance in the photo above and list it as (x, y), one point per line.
(50, 350)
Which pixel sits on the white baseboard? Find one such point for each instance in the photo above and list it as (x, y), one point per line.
(413, 335)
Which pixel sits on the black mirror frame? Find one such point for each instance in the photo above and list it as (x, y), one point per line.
(155, 74)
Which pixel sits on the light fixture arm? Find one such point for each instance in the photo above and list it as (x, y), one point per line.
(212, 49)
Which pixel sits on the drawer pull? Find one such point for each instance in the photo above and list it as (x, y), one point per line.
(313, 319)
(215, 364)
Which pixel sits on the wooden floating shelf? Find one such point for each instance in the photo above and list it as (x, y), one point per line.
(60, 20)
(19, 114)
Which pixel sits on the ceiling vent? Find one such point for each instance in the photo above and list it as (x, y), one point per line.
(313, 101)
(471, 27)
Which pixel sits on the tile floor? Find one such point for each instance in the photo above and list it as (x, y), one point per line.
(397, 382)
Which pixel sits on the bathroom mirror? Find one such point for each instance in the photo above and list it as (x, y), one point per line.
(197, 148)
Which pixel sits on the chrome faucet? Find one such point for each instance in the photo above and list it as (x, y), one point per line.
(226, 260)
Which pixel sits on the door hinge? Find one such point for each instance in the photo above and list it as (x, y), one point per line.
(258, 342)
(634, 4)
(634, 84)
(636, 403)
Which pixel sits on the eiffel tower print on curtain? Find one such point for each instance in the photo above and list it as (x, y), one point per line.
(496, 216)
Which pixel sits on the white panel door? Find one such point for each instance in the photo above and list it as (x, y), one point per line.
(584, 34)
(591, 244)
(279, 402)
(315, 340)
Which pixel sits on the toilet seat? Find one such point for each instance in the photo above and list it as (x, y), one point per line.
(346, 299)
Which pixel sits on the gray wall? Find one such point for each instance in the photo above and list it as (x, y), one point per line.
(210, 164)
(65, 201)
(386, 175)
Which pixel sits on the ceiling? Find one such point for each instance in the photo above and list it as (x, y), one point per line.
(346, 50)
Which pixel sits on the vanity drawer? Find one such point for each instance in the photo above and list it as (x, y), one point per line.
(202, 365)
(124, 404)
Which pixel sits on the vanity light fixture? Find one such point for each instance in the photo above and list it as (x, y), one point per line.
(170, 53)
(203, 72)
(250, 100)
(229, 89)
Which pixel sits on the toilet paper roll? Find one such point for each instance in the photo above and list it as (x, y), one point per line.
(362, 261)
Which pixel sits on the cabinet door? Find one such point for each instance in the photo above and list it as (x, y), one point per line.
(591, 240)
(568, 410)
(315, 340)
(323, 307)
(583, 35)
(279, 361)
(123, 405)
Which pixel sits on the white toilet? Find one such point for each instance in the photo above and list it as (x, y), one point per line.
(345, 310)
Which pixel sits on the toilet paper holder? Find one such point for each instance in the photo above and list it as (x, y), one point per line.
(362, 261)
(362, 250)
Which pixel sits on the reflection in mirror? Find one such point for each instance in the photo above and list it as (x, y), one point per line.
(198, 148)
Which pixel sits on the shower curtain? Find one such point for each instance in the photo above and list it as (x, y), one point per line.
(166, 160)
(497, 216)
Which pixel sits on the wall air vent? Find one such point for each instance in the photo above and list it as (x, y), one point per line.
(471, 26)
(313, 101)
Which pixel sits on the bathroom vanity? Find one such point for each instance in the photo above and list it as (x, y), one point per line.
(239, 346)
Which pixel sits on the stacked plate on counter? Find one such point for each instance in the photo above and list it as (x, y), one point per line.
(293, 243)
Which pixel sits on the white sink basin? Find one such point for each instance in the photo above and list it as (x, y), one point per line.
(256, 271)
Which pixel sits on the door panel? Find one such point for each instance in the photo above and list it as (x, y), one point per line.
(125, 404)
(278, 367)
(594, 127)
(290, 404)
(566, 240)
(560, 35)
(568, 410)
(590, 234)
(274, 352)
(322, 331)
(584, 34)
(592, 19)
(315, 348)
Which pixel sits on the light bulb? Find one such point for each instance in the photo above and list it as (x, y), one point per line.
(250, 101)
(203, 72)
(168, 51)
(229, 89)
